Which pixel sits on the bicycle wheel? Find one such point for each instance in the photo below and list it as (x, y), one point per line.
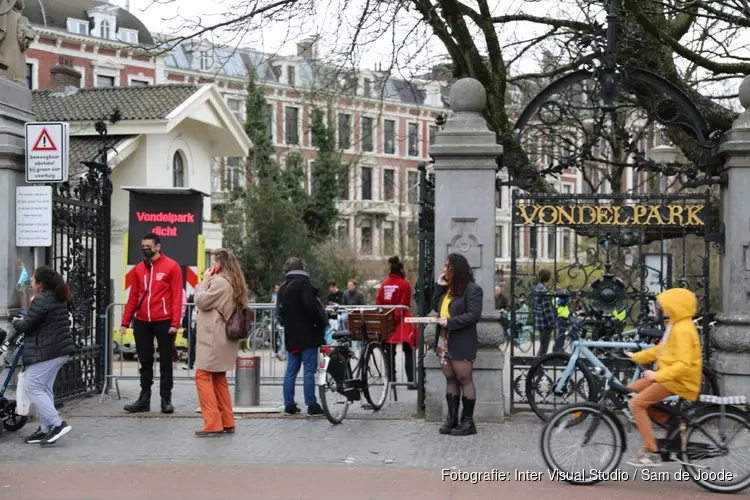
(13, 422)
(375, 383)
(334, 402)
(540, 387)
(601, 431)
(504, 342)
(701, 445)
(525, 339)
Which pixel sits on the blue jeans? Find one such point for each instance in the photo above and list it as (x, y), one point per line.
(309, 358)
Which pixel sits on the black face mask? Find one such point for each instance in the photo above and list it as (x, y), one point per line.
(148, 253)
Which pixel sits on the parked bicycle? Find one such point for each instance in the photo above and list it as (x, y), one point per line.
(340, 385)
(576, 379)
(688, 440)
(11, 350)
(520, 336)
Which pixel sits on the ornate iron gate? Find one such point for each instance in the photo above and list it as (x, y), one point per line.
(575, 238)
(619, 167)
(426, 281)
(80, 251)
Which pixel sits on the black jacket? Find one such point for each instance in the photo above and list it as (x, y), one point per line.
(46, 329)
(354, 299)
(300, 312)
(465, 311)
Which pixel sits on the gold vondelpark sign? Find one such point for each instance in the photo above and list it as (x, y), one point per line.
(611, 215)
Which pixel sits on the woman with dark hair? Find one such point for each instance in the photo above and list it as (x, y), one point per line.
(48, 343)
(459, 301)
(396, 291)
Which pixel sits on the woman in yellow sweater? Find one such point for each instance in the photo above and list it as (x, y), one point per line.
(679, 369)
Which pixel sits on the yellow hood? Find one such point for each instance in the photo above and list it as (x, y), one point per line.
(678, 303)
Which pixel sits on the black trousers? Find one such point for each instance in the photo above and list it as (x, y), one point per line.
(408, 361)
(191, 349)
(145, 333)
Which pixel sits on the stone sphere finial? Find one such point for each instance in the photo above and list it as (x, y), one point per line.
(744, 92)
(468, 96)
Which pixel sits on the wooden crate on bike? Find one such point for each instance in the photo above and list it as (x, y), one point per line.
(372, 325)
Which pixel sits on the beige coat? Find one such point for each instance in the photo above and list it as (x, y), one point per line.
(215, 352)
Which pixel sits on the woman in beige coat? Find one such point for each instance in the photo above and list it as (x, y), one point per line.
(222, 291)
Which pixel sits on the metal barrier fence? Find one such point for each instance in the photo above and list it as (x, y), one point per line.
(266, 341)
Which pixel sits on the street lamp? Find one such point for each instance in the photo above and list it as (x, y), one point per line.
(664, 154)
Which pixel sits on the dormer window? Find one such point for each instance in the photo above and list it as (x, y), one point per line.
(78, 27)
(128, 36)
(104, 30)
(205, 61)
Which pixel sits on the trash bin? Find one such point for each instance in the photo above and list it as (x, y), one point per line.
(247, 381)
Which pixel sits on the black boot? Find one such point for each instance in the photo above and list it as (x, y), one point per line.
(466, 427)
(141, 405)
(166, 405)
(452, 420)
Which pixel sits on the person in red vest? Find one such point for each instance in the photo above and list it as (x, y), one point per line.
(396, 291)
(155, 303)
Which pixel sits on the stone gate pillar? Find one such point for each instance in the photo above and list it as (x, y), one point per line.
(465, 155)
(731, 336)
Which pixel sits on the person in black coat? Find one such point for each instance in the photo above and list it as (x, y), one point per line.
(304, 319)
(458, 301)
(48, 343)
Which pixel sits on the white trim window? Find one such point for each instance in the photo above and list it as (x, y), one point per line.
(178, 170)
(237, 107)
(78, 26)
(128, 36)
(390, 191)
(292, 125)
(205, 61)
(104, 29)
(366, 239)
(234, 174)
(390, 131)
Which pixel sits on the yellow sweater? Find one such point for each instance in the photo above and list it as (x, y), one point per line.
(444, 306)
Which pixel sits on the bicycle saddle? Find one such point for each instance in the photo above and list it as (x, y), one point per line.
(343, 334)
(653, 333)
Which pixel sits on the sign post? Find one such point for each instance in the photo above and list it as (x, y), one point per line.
(47, 152)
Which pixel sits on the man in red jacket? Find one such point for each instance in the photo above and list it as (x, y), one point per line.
(155, 302)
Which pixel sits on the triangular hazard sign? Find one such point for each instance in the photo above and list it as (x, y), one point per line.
(44, 142)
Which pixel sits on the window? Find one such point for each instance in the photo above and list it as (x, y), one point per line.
(366, 183)
(517, 251)
(233, 174)
(551, 241)
(534, 241)
(389, 184)
(345, 131)
(433, 134)
(389, 137)
(30, 76)
(138, 83)
(567, 189)
(178, 171)
(566, 244)
(367, 134)
(342, 232)
(413, 139)
(128, 36)
(292, 125)
(276, 71)
(292, 161)
(412, 187)
(104, 30)
(290, 74)
(367, 87)
(412, 230)
(389, 242)
(105, 81)
(269, 110)
(498, 197)
(236, 106)
(78, 27)
(365, 242)
(344, 183)
(499, 242)
(205, 61)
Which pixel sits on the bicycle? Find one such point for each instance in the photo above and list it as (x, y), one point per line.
(583, 384)
(680, 444)
(337, 378)
(521, 336)
(11, 420)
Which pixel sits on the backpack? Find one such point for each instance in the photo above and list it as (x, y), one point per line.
(239, 324)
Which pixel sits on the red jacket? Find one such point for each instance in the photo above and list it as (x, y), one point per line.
(160, 286)
(396, 291)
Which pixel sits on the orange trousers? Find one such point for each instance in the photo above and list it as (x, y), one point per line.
(215, 401)
(649, 393)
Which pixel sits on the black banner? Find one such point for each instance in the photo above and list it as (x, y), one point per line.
(176, 218)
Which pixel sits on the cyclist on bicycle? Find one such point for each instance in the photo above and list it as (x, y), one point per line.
(679, 369)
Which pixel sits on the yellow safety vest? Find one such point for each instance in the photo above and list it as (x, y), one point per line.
(563, 312)
(620, 315)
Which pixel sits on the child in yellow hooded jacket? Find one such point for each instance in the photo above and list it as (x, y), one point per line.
(679, 369)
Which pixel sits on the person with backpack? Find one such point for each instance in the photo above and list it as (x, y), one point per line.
(222, 292)
(304, 319)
